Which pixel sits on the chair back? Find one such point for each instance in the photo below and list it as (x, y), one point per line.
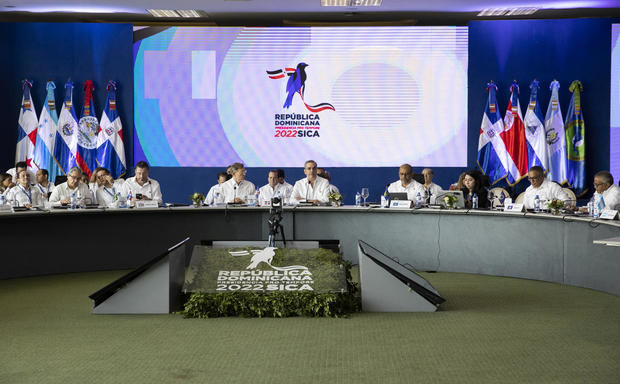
(571, 195)
(497, 191)
(520, 198)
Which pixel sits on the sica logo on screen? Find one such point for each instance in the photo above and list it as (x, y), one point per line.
(297, 125)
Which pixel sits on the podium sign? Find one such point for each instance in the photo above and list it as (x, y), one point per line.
(269, 269)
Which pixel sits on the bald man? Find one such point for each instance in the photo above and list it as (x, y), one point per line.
(406, 183)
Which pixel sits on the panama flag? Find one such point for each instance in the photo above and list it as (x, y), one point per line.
(65, 147)
(535, 131)
(110, 146)
(46, 134)
(575, 140)
(26, 128)
(492, 155)
(88, 127)
(556, 138)
(514, 138)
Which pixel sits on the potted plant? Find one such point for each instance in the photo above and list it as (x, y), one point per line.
(335, 199)
(450, 200)
(197, 199)
(555, 205)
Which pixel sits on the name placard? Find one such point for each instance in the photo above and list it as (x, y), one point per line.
(608, 214)
(147, 204)
(513, 208)
(400, 203)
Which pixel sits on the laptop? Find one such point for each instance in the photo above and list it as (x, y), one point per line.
(460, 201)
(397, 196)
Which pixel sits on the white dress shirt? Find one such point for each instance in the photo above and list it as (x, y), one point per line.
(412, 189)
(305, 191)
(63, 192)
(210, 198)
(150, 189)
(611, 197)
(231, 190)
(45, 190)
(266, 193)
(433, 189)
(104, 196)
(23, 196)
(547, 191)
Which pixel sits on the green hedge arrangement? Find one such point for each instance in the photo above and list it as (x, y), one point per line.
(275, 304)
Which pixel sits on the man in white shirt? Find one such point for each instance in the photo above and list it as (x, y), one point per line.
(431, 188)
(605, 188)
(23, 194)
(108, 188)
(44, 186)
(545, 190)
(62, 193)
(142, 187)
(237, 189)
(21, 166)
(313, 188)
(222, 177)
(287, 188)
(272, 189)
(406, 183)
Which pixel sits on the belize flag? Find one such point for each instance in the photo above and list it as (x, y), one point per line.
(575, 140)
(492, 155)
(535, 131)
(110, 146)
(46, 134)
(556, 138)
(88, 127)
(65, 147)
(26, 128)
(514, 138)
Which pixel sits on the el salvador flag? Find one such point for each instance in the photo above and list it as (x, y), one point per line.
(575, 140)
(492, 155)
(535, 131)
(26, 128)
(110, 146)
(556, 138)
(88, 127)
(46, 135)
(65, 147)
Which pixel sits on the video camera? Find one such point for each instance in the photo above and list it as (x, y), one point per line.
(276, 206)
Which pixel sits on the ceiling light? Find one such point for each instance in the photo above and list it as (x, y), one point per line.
(350, 3)
(163, 12)
(519, 11)
(188, 13)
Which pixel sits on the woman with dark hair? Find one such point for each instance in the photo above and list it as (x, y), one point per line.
(472, 185)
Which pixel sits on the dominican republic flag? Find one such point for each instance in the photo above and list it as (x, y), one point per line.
(26, 128)
(514, 138)
(88, 126)
(65, 147)
(110, 146)
(556, 138)
(535, 131)
(492, 155)
(46, 135)
(575, 140)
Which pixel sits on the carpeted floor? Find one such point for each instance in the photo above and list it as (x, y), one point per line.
(491, 330)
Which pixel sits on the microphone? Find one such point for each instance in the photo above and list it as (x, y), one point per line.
(308, 190)
(235, 193)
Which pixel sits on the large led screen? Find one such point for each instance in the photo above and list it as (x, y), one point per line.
(614, 134)
(275, 97)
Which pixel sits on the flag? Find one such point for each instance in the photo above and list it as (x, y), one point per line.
(575, 129)
(514, 138)
(46, 135)
(535, 131)
(556, 138)
(65, 147)
(26, 128)
(492, 155)
(88, 126)
(110, 146)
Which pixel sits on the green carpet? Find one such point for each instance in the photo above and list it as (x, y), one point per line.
(491, 330)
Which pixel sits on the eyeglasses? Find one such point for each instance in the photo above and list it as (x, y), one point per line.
(599, 184)
(533, 178)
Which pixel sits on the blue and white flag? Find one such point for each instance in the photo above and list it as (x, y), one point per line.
(556, 138)
(88, 127)
(65, 147)
(575, 129)
(492, 154)
(535, 131)
(110, 146)
(46, 135)
(26, 128)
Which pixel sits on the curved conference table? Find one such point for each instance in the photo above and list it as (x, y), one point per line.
(533, 246)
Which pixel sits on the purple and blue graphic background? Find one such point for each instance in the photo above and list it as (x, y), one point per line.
(203, 97)
(614, 129)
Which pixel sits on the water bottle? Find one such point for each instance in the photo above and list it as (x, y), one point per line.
(257, 201)
(474, 201)
(537, 204)
(218, 198)
(385, 198)
(73, 201)
(2, 201)
(418, 200)
(129, 200)
(279, 196)
(358, 199)
(591, 207)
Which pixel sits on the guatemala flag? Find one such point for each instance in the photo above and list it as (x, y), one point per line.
(514, 138)
(556, 138)
(26, 128)
(110, 146)
(46, 135)
(535, 131)
(88, 127)
(65, 147)
(492, 155)
(575, 140)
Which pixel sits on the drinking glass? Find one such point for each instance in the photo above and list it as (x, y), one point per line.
(365, 194)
